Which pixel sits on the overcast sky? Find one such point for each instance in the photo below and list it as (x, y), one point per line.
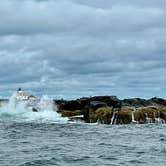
(73, 48)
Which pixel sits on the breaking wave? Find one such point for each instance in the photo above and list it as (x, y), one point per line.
(20, 112)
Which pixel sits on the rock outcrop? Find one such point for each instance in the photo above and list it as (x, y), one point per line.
(111, 110)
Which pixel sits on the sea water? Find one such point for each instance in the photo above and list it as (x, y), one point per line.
(45, 139)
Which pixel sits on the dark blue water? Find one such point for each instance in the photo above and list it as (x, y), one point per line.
(75, 144)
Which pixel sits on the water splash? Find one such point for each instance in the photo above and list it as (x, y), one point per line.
(132, 116)
(157, 118)
(21, 111)
(148, 119)
(113, 118)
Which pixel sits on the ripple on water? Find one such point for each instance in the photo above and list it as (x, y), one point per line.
(41, 162)
(35, 144)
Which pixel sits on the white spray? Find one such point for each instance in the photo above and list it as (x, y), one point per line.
(18, 111)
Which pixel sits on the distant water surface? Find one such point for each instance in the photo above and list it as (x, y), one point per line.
(79, 144)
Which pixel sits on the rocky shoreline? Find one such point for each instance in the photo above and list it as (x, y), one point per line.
(111, 110)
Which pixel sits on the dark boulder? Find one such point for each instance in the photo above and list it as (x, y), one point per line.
(158, 101)
(111, 101)
(109, 109)
(102, 115)
(93, 105)
(70, 105)
(34, 110)
(136, 102)
(90, 108)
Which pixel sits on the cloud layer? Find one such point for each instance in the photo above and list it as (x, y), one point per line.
(72, 48)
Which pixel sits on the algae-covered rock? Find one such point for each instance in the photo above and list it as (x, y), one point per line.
(124, 116)
(89, 111)
(101, 115)
(139, 116)
(111, 110)
(154, 114)
(162, 113)
(128, 115)
(151, 111)
(69, 113)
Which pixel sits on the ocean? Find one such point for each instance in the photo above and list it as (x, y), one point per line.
(45, 139)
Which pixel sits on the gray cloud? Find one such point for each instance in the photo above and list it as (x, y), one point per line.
(71, 48)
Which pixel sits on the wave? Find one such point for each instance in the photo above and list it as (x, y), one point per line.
(19, 112)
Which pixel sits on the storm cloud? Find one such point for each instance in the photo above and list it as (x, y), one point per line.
(73, 48)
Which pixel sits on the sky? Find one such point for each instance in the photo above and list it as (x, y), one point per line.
(74, 48)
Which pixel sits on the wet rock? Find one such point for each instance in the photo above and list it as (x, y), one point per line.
(101, 115)
(34, 110)
(154, 114)
(88, 104)
(69, 113)
(124, 116)
(90, 108)
(162, 113)
(84, 102)
(127, 115)
(111, 110)
(70, 105)
(3, 102)
(139, 116)
(150, 111)
(148, 114)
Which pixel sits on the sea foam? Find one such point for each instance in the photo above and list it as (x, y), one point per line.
(18, 111)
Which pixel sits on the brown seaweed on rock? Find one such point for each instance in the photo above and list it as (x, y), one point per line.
(111, 110)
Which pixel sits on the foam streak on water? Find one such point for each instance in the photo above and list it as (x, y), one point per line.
(18, 111)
